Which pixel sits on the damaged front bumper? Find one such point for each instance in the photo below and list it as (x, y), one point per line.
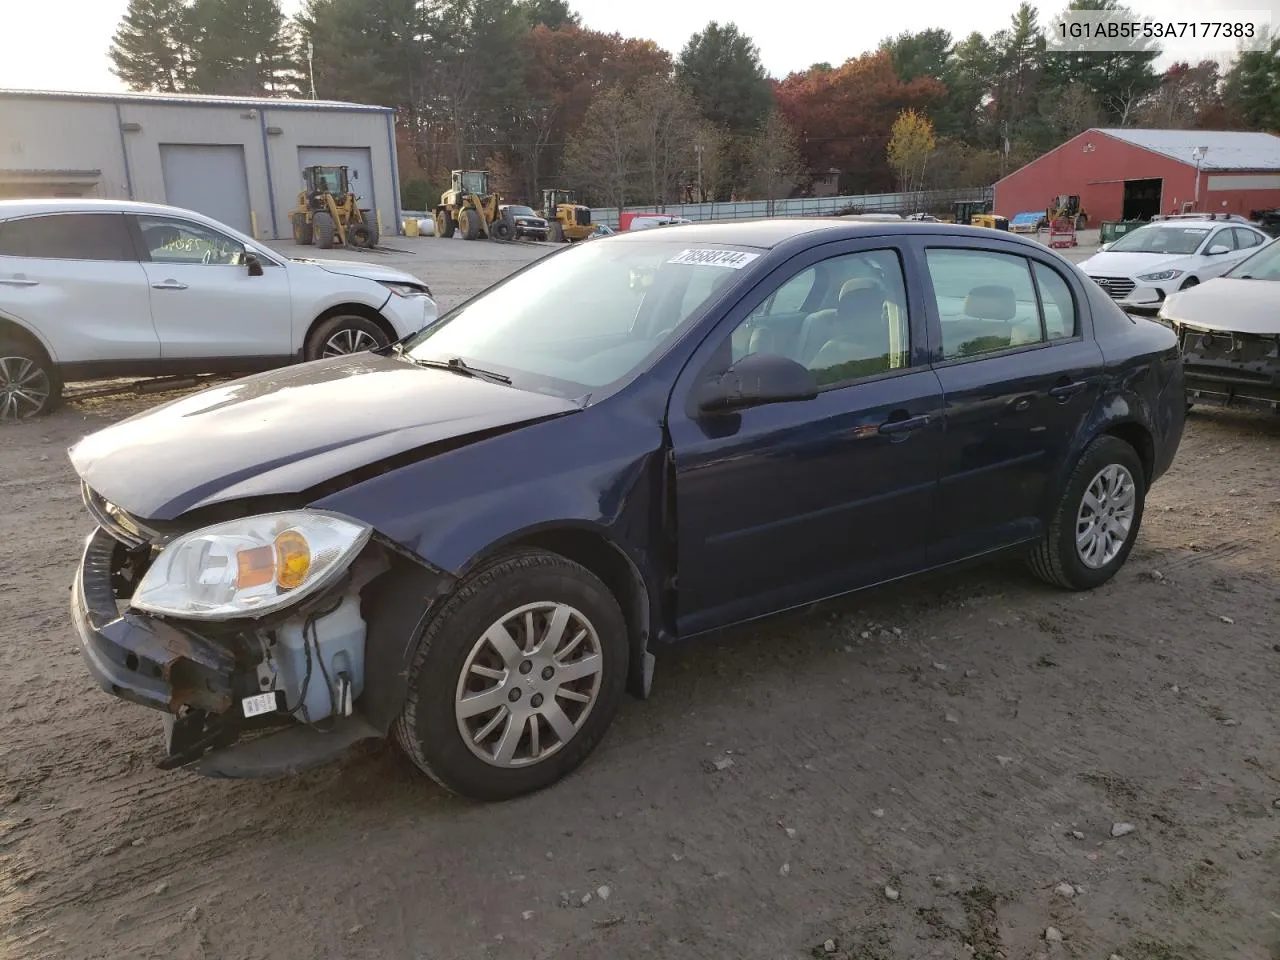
(1230, 369)
(200, 682)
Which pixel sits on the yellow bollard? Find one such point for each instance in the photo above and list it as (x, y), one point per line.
(253, 220)
(411, 227)
(380, 230)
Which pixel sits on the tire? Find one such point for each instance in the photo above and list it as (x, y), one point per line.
(324, 230)
(1188, 283)
(361, 235)
(1056, 559)
(445, 224)
(557, 232)
(469, 223)
(429, 729)
(29, 384)
(303, 235)
(348, 333)
(502, 229)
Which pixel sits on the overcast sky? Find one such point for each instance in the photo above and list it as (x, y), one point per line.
(62, 44)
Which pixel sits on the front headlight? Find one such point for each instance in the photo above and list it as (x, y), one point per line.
(407, 289)
(1161, 275)
(250, 567)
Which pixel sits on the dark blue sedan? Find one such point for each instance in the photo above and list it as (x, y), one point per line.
(476, 540)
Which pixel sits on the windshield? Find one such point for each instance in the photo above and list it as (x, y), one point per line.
(585, 319)
(518, 211)
(1152, 239)
(475, 182)
(1263, 265)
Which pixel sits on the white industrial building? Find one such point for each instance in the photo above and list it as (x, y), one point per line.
(236, 159)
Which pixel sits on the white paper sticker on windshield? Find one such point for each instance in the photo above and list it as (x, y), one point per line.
(733, 259)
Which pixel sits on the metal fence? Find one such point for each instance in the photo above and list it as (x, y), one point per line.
(903, 203)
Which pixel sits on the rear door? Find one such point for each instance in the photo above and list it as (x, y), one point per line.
(205, 304)
(1012, 345)
(74, 278)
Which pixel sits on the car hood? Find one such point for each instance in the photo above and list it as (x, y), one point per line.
(1237, 306)
(356, 268)
(1108, 264)
(286, 431)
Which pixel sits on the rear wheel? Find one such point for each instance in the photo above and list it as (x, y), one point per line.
(322, 224)
(345, 334)
(516, 679)
(1096, 521)
(445, 224)
(302, 232)
(29, 385)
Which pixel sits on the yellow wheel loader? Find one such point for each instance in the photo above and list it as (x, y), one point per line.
(567, 219)
(469, 206)
(328, 212)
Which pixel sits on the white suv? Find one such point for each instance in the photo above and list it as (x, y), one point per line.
(93, 289)
(1146, 265)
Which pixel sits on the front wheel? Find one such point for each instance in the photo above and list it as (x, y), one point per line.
(1188, 283)
(341, 335)
(1095, 523)
(516, 679)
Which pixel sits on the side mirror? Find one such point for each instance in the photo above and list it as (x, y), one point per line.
(1217, 250)
(757, 379)
(254, 264)
(1105, 246)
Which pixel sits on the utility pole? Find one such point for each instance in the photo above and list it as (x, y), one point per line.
(697, 148)
(1198, 153)
(311, 70)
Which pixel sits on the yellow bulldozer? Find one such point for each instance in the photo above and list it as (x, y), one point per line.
(567, 219)
(328, 212)
(468, 205)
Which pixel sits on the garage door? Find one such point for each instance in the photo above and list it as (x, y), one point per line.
(355, 159)
(208, 178)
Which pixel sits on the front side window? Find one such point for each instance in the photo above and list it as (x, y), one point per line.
(1179, 240)
(68, 236)
(586, 318)
(862, 331)
(986, 301)
(1223, 238)
(170, 240)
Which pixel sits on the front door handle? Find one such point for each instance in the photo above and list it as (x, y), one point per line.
(904, 425)
(169, 285)
(19, 282)
(1064, 391)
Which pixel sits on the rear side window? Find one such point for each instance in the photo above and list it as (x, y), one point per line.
(67, 236)
(1057, 303)
(986, 301)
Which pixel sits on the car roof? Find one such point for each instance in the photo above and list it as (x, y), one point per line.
(771, 232)
(27, 207)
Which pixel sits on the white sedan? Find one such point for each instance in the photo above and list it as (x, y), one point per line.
(1143, 267)
(94, 289)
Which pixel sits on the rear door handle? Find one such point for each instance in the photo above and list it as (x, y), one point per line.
(1065, 391)
(19, 282)
(905, 425)
(169, 285)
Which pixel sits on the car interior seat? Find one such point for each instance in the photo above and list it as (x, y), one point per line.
(859, 334)
(820, 327)
(987, 323)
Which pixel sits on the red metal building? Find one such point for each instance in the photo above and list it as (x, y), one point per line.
(1133, 174)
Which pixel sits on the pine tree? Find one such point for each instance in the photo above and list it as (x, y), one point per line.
(151, 49)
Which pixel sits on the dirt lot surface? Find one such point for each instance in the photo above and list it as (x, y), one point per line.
(931, 771)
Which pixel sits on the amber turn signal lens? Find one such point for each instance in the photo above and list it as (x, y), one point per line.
(255, 567)
(293, 560)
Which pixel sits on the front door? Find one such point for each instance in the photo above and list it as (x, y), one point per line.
(787, 503)
(205, 304)
(1019, 376)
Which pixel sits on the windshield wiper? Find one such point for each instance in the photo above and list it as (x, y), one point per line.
(458, 365)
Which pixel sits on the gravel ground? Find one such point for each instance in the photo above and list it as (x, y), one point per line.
(972, 765)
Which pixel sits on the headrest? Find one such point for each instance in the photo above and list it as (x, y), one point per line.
(861, 302)
(991, 302)
(858, 283)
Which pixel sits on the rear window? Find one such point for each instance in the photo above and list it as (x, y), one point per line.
(67, 236)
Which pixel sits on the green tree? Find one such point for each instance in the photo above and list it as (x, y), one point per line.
(722, 68)
(923, 54)
(151, 49)
(773, 158)
(1119, 81)
(1252, 87)
(242, 48)
(552, 14)
(366, 52)
(604, 158)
